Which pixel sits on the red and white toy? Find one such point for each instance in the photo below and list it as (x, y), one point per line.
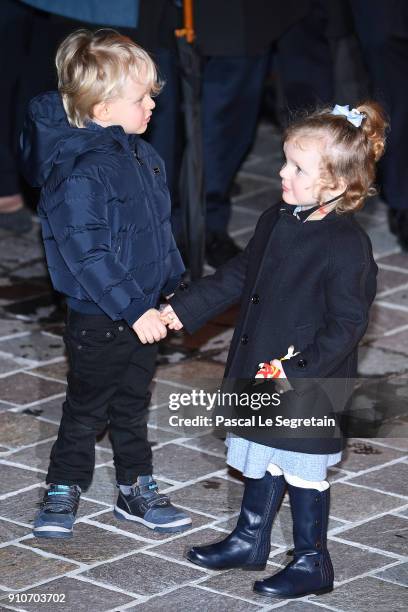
(269, 370)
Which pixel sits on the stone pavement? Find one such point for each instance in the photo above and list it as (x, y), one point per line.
(114, 566)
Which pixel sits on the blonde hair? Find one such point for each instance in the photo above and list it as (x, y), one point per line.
(93, 67)
(348, 152)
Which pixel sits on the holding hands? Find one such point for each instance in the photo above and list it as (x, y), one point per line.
(149, 327)
(169, 318)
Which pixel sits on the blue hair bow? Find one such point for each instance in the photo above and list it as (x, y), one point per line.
(353, 115)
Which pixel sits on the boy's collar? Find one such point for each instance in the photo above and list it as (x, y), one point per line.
(116, 131)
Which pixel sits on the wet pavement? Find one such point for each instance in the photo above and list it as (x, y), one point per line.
(110, 565)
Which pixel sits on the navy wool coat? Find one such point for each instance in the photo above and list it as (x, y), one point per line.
(306, 283)
(104, 210)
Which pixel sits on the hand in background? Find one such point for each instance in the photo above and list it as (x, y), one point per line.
(169, 318)
(149, 327)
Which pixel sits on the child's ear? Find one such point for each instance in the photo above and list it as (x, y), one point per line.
(101, 111)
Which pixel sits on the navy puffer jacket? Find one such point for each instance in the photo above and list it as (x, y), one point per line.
(104, 210)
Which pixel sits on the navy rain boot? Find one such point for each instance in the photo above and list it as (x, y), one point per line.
(311, 571)
(249, 545)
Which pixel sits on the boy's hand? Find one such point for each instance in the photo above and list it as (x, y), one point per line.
(149, 328)
(169, 318)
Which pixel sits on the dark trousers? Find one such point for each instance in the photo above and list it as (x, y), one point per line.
(110, 371)
(382, 28)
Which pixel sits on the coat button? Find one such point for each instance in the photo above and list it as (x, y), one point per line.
(121, 328)
(183, 286)
(108, 334)
(255, 298)
(83, 332)
(302, 363)
(244, 339)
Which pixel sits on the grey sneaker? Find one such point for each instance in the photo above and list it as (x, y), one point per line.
(147, 506)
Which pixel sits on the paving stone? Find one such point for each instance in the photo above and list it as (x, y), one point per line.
(15, 252)
(51, 409)
(8, 364)
(36, 346)
(209, 442)
(9, 327)
(375, 361)
(22, 507)
(399, 344)
(189, 598)
(143, 574)
(20, 430)
(57, 370)
(399, 260)
(397, 574)
(38, 456)
(389, 279)
(215, 496)
(108, 518)
(388, 533)
(399, 297)
(89, 544)
(240, 583)
(300, 606)
(350, 561)
(348, 501)
(159, 436)
(24, 389)
(20, 567)
(377, 595)
(13, 478)
(363, 454)
(9, 531)
(383, 320)
(382, 241)
(390, 479)
(180, 463)
(190, 373)
(79, 595)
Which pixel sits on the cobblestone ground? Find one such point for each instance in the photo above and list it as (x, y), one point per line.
(114, 566)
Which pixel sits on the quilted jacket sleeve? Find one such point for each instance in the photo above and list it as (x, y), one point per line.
(78, 216)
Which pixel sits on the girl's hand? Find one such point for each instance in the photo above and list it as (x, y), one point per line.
(169, 318)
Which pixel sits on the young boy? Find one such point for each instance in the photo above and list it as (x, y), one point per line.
(105, 215)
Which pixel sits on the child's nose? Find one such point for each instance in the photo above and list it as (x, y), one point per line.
(151, 103)
(282, 171)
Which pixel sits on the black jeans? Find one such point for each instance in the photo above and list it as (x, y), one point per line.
(110, 371)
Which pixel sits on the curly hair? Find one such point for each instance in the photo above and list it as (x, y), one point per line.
(348, 152)
(93, 67)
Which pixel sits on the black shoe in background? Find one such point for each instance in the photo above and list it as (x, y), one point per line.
(220, 248)
(398, 224)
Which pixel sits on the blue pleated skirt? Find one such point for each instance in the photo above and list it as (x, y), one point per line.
(252, 459)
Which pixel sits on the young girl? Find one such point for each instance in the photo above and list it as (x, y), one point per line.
(307, 278)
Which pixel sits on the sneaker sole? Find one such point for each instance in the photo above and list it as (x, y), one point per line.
(180, 525)
(52, 532)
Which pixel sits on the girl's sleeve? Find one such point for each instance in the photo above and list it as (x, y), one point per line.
(349, 291)
(198, 302)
